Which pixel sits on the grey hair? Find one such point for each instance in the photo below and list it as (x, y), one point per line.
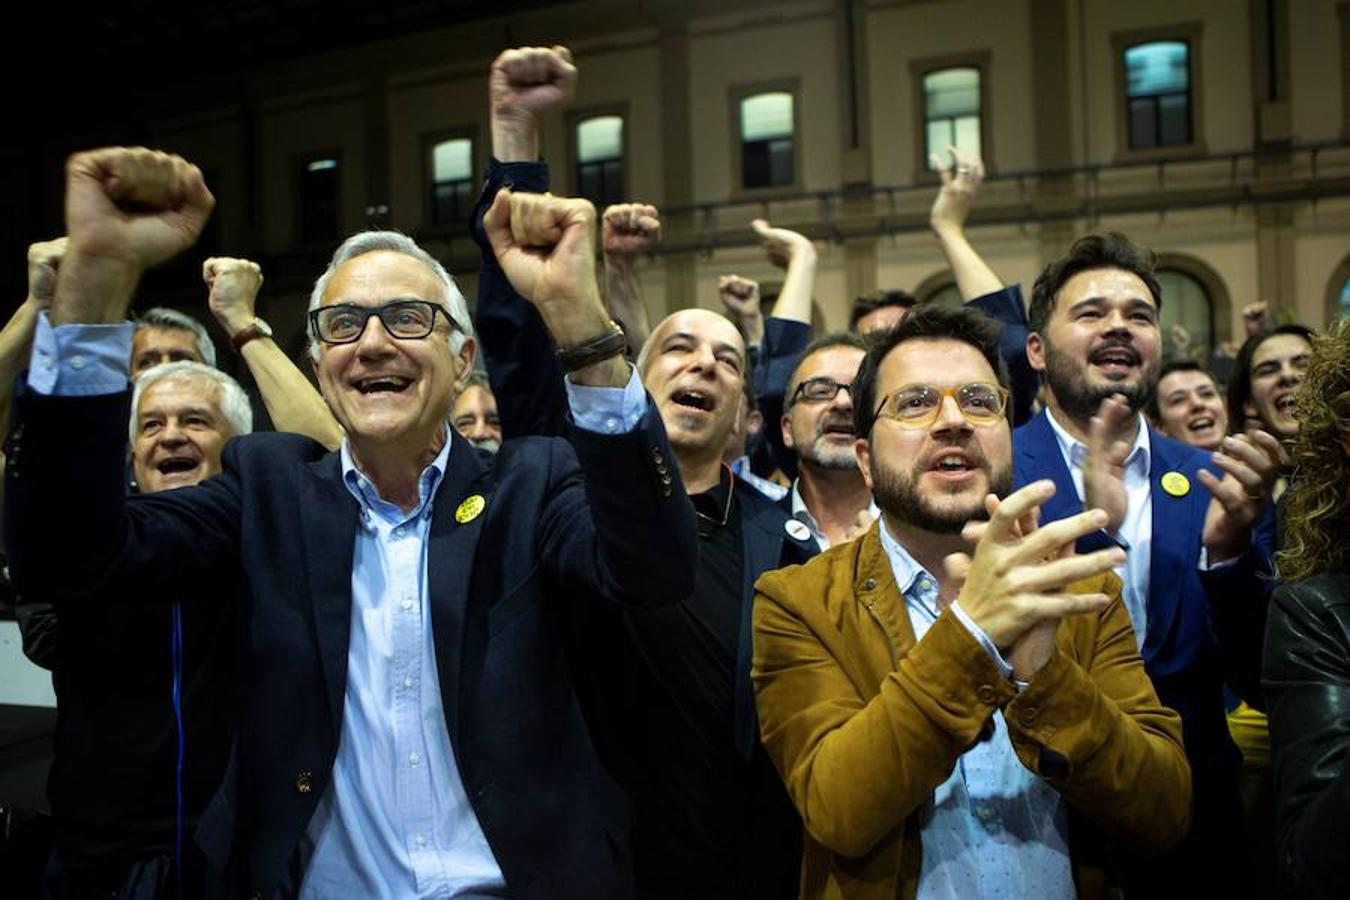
(163, 317)
(234, 405)
(365, 242)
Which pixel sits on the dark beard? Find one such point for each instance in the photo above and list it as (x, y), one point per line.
(1080, 399)
(900, 499)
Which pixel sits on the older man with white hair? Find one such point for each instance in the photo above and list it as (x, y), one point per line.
(144, 696)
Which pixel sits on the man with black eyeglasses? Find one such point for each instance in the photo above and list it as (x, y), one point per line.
(829, 496)
(414, 621)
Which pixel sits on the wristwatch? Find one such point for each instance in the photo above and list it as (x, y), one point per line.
(255, 329)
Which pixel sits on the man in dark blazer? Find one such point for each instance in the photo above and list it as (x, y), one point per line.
(1093, 334)
(711, 817)
(411, 616)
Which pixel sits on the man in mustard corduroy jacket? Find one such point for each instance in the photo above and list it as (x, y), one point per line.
(958, 724)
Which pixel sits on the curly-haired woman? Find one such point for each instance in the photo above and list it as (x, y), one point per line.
(1307, 657)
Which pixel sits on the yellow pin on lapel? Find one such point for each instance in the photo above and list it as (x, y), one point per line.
(1176, 484)
(470, 508)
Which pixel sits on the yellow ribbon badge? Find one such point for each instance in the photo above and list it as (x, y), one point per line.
(1176, 484)
(470, 508)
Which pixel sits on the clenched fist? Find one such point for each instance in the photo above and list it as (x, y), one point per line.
(628, 229)
(233, 286)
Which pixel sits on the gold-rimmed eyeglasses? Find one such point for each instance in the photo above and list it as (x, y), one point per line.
(919, 405)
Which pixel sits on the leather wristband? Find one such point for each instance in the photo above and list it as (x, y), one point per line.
(599, 348)
(255, 329)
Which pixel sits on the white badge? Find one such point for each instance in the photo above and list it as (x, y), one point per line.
(796, 529)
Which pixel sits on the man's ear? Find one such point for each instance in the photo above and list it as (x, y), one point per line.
(468, 352)
(863, 449)
(1036, 351)
(785, 426)
(754, 422)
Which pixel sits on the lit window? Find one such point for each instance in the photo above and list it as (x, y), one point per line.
(452, 193)
(1158, 94)
(319, 200)
(951, 112)
(766, 140)
(600, 160)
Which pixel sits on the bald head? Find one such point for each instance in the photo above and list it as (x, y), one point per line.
(693, 365)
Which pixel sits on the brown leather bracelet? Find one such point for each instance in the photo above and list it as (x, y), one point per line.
(597, 349)
(255, 329)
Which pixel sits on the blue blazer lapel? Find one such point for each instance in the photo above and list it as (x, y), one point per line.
(329, 517)
(1036, 455)
(762, 539)
(451, 547)
(1175, 543)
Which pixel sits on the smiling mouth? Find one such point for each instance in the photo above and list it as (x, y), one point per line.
(383, 384)
(1285, 404)
(694, 400)
(952, 464)
(1115, 358)
(176, 466)
(1201, 423)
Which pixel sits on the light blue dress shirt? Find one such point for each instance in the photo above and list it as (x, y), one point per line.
(993, 829)
(396, 821)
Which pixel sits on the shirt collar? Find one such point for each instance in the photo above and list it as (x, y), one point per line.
(803, 515)
(904, 567)
(372, 504)
(1075, 451)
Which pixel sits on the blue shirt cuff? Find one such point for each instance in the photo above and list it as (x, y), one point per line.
(79, 360)
(608, 410)
(983, 639)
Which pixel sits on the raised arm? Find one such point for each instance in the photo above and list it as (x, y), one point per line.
(523, 85)
(16, 339)
(960, 183)
(628, 230)
(292, 402)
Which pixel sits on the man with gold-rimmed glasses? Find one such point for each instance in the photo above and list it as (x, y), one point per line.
(940, 715)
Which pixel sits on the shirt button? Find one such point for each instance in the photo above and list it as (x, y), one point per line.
(421, 840)
(414, 758)
(612, 425)
(925, 584)
(985, 813)
(77, 362)
(407, 604)
(407, 682)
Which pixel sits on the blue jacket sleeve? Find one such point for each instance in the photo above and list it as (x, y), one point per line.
(521, 361)
(1006, 308)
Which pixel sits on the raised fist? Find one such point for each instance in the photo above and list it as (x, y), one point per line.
(628, 229)
(530, 81)
(961, 180)
(135, 206)
(233, 286)
(44, 258)
(545, 245)
(781, 245)
(739, 295)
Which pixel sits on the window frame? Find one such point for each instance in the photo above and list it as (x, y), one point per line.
(920, 69)
(476, 166)
(740, 92)
(299, 165)
(573, 120)
(1192, 34)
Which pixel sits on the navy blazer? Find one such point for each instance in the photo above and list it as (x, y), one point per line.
(1180, 647)
(513, 594)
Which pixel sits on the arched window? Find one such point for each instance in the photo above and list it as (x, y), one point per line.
(599, 154)
(1186, 322)
(767, 128)
(951, 112)
(452, 183)
(1158, 94)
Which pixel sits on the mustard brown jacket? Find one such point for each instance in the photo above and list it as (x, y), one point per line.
(863, 723)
